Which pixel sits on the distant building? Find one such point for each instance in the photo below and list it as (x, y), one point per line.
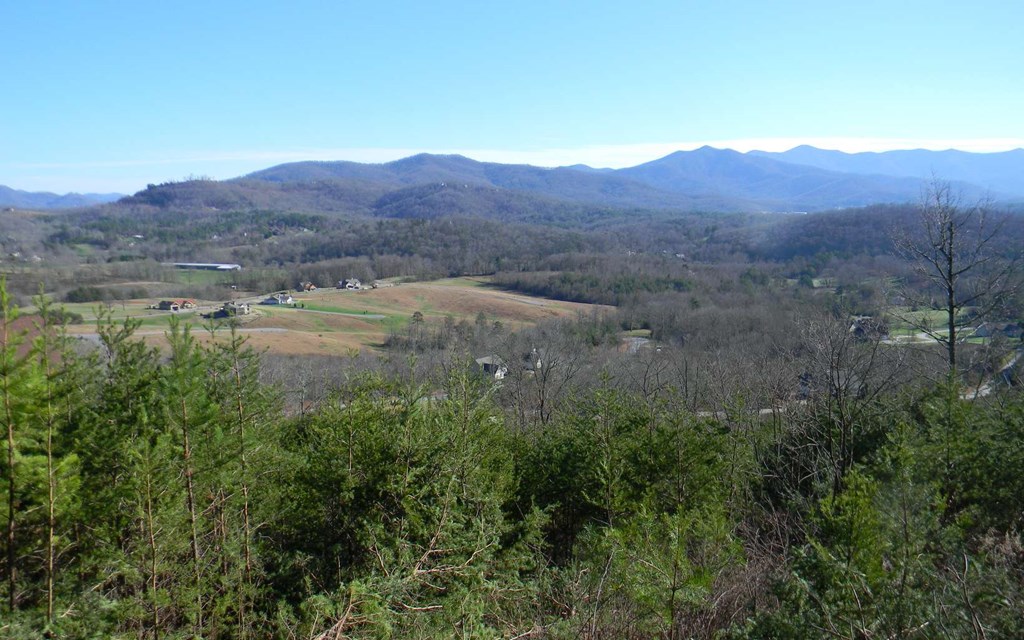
(230, 310)
(1005, 329)
(279, 298)
(176, 305)
(236, 309)
(350, 283)
(208, 266)
(868, 328)
(307, 286)
(493, 366)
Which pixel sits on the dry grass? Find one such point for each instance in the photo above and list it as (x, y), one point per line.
(300, 331)
(462, 298)
(285, 342)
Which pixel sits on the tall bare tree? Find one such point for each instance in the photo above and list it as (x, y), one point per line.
(955, 250)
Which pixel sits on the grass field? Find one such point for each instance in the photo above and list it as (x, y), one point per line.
(332, 321)
(203, 276)
(907, 319)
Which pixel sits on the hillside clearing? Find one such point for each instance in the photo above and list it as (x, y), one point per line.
(338, 322)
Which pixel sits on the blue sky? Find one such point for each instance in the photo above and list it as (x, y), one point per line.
(108, 96)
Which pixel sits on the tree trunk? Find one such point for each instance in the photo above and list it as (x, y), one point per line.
(151, 540)
(951, 303)
(190, 500)
(8, 354)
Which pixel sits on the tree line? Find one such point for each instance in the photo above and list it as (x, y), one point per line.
(170, 493)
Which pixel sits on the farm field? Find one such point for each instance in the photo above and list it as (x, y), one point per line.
(904, 318)
(335, 322)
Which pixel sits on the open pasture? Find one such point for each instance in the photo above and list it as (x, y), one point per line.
(335, 321)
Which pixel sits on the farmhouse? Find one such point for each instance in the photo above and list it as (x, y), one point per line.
(176, 305)
(493, 366)
(868, 328)
(307, 286)
(236, 309)
(279, 298)
(350, 283)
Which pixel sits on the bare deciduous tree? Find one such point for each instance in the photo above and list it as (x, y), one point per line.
(845, 375)
(955, 251)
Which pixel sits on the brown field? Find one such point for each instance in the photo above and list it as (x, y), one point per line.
(338, 322)
(285, 342)
(462, 298)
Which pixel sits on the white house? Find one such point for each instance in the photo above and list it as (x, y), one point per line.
(493, 366)
(279, 298)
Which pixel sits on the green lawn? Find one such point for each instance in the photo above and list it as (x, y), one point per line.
(907, 319)
(319, 306)
(637, 333)
(903, 331)
(462, 282)
(201, 276)
(391, 320)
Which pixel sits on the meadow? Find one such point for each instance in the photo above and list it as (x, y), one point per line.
(338, 322)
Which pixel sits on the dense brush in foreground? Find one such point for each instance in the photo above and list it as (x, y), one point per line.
(169, 495)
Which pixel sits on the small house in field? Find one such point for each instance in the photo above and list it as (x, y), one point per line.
(493, 366)
(350, 283)
(868, 328)
(176, 305)
(307, 286)
(279, 298)
(236, 309)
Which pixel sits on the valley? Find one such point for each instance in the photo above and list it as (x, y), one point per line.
(529, 382)
(520, 321)
(337, 322)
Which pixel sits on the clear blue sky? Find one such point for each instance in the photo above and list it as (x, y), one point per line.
(107, 96)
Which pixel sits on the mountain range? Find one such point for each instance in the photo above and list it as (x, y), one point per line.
(46, 200)
(706, 179)
(1001, 172)
(804, 178)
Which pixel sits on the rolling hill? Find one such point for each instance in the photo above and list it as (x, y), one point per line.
(706, 179)
(45, 200)
(568, 184)
(998, 172)
(773, 183)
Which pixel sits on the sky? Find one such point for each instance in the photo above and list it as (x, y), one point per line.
(110, 96)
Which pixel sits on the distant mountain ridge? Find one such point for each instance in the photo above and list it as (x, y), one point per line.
(605, 188)
(703, 179)
(45, 200)
(774, 183)
(1001, 172)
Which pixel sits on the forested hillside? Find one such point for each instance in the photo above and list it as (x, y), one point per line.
(758, 436)
(171, 495)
